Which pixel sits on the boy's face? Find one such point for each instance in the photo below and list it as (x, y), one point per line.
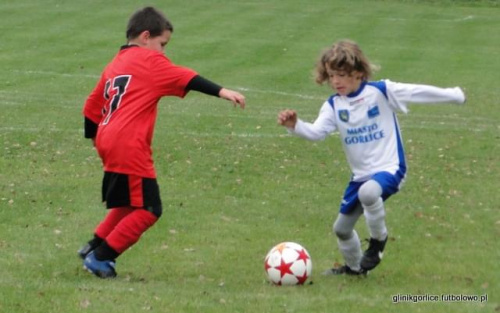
(344, 82)
(157, 43)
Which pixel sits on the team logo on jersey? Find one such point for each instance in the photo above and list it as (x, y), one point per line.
(344, 115)
(373, 112)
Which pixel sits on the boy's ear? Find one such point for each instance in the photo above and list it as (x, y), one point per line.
(144, 36)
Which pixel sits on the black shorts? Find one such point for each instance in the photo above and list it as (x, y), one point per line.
(122, 190)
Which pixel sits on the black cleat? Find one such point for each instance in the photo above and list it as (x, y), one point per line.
(343, 270)
(373, 255)
(85, 250)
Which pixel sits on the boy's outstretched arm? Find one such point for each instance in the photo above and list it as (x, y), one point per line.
(208, 87)
(322, 126)
(235, 97)
(287, 118)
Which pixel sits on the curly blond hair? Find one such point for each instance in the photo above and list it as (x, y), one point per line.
(344, 55)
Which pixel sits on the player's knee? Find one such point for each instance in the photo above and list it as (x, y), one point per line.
(341, 232)
(369, 192)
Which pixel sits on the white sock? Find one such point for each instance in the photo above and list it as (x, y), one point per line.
(351, 250)
(375, 219)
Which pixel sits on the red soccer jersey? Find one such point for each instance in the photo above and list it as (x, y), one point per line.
(124, 105)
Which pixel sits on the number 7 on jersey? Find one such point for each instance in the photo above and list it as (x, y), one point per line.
(120, 84)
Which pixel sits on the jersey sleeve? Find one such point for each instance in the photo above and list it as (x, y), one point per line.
(323, 125)
(400, 95)
(92, 109)
(170, 79)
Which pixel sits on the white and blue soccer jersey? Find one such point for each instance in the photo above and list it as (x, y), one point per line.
(367, 123)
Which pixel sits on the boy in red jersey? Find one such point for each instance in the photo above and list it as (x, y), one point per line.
(120, 116)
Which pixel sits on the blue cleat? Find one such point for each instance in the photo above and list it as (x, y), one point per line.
(102, 269)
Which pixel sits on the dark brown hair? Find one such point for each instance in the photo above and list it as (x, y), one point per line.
(148, 19)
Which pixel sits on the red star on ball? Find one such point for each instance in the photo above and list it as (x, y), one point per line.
(302, 255)
(302, 279)
(285, 268)
(266, 264)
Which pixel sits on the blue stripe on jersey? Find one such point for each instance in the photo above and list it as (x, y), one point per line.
(330, 100)
(401, 152)
(380, 85)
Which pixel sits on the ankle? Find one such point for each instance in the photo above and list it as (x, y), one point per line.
(105, 252)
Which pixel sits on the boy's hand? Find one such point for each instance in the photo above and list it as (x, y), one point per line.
(287, 118)
(235, 97)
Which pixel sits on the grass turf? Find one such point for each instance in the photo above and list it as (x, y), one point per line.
(233, 184)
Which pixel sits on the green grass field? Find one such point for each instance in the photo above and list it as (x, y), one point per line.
(233, 183)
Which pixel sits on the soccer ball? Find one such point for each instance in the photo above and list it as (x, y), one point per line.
(288, 263)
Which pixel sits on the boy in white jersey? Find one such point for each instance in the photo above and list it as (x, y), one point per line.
(363, 113)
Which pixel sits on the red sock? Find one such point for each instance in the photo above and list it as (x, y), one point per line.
(130, 229)
(112, 219)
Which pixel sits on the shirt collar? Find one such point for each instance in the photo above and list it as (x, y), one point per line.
(357, 92)
(127, 46)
